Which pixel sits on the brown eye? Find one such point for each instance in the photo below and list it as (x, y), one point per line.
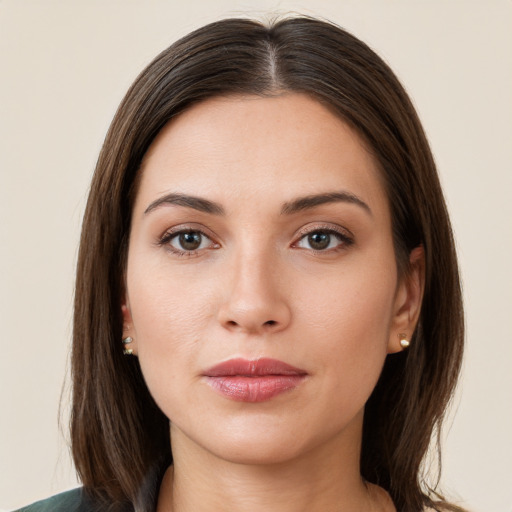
(190, 241)
(319, 240)
(187, 241)
(324, 240)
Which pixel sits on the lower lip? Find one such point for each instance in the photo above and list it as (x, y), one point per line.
(254, 389)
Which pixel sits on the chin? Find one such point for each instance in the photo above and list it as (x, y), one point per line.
(263, 440)
(256, 440)
(258, 451)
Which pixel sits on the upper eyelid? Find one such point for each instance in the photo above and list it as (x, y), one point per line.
(333, 228)
(345, 237)
(170, 234)
(183, 228)
(165, 239)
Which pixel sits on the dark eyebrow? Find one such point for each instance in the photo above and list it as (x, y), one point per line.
(304, 203)
(197, 203)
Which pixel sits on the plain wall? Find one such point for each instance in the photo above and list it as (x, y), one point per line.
(65, 66)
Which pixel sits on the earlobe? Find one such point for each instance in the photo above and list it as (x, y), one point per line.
(408, 300)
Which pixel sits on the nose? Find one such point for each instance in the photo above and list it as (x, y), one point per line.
(255, 302)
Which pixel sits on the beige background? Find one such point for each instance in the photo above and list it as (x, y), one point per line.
(64, 67)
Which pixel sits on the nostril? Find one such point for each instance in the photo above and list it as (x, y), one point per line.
(270, 322)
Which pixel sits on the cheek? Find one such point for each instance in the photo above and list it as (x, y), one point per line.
(348, 346)
(165, 306)
(349, 320)
(352, 300)
(169, 319)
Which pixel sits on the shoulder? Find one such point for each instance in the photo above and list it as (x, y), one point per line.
(69, 501)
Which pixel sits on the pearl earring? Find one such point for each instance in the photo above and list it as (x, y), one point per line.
(127, 341)
(404, 342)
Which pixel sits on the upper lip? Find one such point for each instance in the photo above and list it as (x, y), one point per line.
(252, 368)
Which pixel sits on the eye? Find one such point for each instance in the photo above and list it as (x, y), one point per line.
(187, 241)
(323, 240)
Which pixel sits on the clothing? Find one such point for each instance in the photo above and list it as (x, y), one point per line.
(69, 501)
(74, 501)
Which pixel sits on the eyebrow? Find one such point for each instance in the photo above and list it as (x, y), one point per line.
(197, 203)
(289, 208)
(308, 202)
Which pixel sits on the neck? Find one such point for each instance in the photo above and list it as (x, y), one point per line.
(325, 478)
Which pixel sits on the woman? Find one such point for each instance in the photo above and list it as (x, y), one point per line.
(268, 311)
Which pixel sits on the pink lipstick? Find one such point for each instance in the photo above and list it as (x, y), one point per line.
(242, 380)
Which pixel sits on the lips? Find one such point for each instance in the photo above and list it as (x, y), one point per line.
(259, 380)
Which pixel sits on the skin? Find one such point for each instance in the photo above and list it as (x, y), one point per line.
(256, 288)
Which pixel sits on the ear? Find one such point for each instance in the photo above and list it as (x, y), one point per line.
(128, 330)
(408, 299)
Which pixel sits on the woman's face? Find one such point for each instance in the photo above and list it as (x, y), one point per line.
(261, 284)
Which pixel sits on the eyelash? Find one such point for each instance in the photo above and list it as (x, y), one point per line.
(343, 236)
(165, 241)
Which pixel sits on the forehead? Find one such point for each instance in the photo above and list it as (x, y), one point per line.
(260, 148)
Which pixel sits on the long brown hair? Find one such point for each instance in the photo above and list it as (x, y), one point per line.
(120, 439)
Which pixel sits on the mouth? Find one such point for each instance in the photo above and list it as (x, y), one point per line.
(259, 380)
